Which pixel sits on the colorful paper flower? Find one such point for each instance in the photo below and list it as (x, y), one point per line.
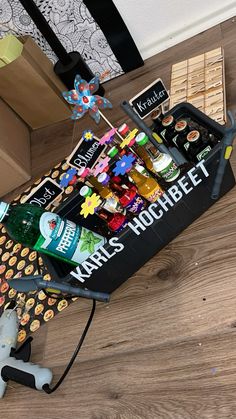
(84, 100)
(87, 135)
(90, 204)
(108, 136)
(124, 165)
(69, 176)
(128, 138)
(101, 166)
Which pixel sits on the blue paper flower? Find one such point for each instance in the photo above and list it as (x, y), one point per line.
(123, 165)
(68, 177)
(84, 100)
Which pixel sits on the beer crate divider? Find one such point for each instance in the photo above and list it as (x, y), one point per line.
(129, 251)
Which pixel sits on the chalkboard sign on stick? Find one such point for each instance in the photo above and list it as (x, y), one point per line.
(44, 194)
(86, 154)
(149, 98)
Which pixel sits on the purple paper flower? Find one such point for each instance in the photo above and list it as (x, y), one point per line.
(108, 136)
(68, 177)
(123, 165)
(84, 100)
(101, 166)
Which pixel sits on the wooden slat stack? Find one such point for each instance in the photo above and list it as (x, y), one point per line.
(200, 81)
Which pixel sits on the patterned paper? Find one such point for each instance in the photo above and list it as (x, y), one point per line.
(73, 25)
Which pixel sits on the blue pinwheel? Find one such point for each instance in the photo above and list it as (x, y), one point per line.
(124, 165)
(84, 100)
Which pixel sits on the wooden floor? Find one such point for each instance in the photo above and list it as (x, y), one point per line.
(165, 346)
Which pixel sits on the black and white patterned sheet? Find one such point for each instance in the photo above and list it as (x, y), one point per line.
(74, 26)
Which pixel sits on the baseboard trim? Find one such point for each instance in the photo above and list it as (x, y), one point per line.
(187, 31)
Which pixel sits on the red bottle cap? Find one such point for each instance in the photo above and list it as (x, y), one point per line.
(123, 129)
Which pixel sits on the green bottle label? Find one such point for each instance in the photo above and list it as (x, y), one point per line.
(170, 173)
(203, 153)
(66, 240)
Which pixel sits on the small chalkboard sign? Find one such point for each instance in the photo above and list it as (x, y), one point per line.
(149, 98)
(44, 194)
(86, 154)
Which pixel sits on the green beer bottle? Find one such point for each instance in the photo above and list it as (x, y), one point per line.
(48, 233)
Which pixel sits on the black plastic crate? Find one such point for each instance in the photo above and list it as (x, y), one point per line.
(129, 250)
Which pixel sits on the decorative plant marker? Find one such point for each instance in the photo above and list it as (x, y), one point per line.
(101, 166)
(124, 165)
(108, 136)
(126, 141)
(68, 178)
(90, 205)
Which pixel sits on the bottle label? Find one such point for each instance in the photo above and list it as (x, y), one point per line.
(118, 223)
(174, 140)
(66, 240)
(136, 205)
(186, 145)
(170, 172)
(112, 205)
(203, 153)
(154, 195)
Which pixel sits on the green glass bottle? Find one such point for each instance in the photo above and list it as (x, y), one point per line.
(48, 233)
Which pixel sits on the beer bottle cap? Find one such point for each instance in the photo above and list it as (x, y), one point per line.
(85, 191)
(167, 120)
(193, 136)
(3, 209)
(123, 129)
(156, 114)
(112, 152)
(103, 178)
(181, 125)
(141, 138)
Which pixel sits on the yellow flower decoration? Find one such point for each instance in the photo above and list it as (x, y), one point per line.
(129, 137)
(90, 204)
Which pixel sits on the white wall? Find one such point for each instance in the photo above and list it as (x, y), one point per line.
(158, 24)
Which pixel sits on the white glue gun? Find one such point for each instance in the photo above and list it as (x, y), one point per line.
(25, 373)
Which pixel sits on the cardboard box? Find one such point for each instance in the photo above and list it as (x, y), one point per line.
(15, 162)
(30, 87)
